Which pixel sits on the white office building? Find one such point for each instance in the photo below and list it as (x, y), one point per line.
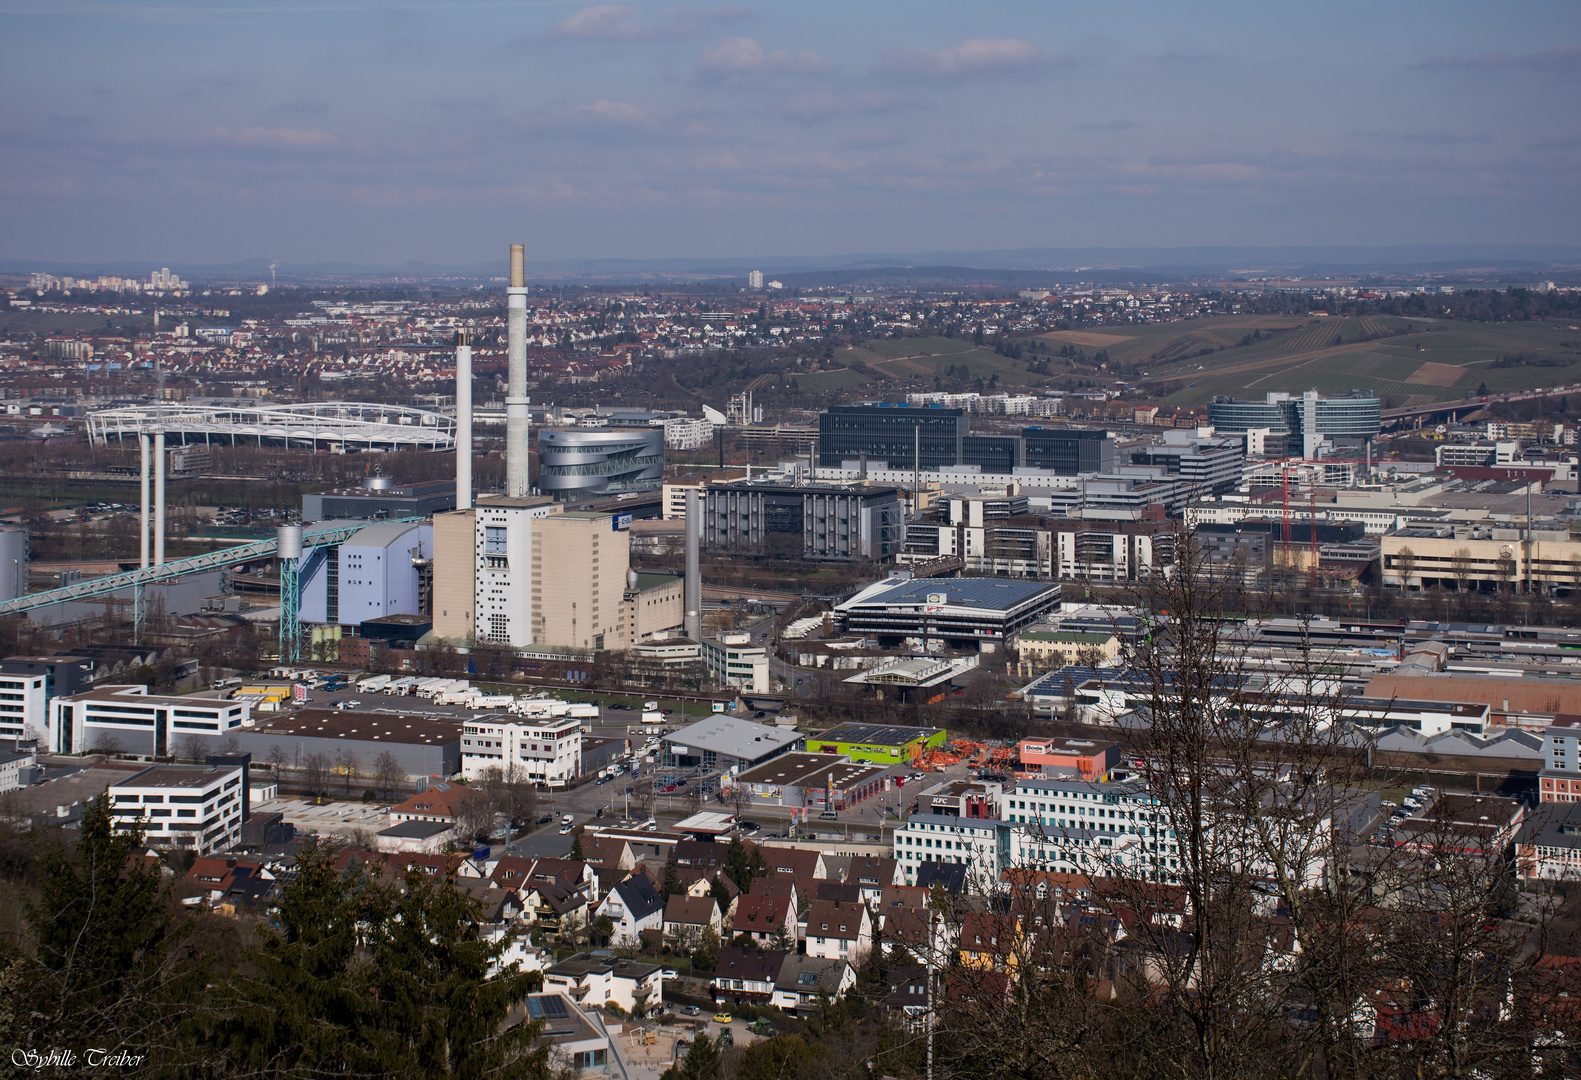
(732, 660)
(546, 750)
(24, 706)
(503, 590)
(128, 719)
(193, 807)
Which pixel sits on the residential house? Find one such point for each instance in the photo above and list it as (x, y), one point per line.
(593, 981)
(767, 920)
(872, 874)
(687, 917)
(576, 1045)
(609, 852)
(906, 999)
(1548, 847)
(747, 975)
(634, 906)
(438, 803)
(803, 980)
(839, 931)
(800, 863)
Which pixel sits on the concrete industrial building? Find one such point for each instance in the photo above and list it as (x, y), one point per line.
(722, 741)
(579, 564)
(503, 546)
(380, 497)
(455, 575)
(732, 660)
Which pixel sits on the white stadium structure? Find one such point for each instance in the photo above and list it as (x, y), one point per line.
(328, 425)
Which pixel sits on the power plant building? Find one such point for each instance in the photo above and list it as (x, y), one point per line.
(369, 576)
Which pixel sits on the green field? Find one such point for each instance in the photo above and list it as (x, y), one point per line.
(1401, 360)
(915, 362)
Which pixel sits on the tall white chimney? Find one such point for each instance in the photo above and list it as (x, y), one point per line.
(516, 388)
(463, 419)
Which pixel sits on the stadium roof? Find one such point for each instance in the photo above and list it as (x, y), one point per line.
(369, 426)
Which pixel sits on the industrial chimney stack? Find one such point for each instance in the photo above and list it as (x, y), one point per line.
(692, 590)
(463, 419)
(516, 389)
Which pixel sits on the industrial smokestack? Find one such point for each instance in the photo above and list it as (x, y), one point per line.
(463, 419)
(516, 388)
(159, 498)
(693, 592)
(142, 514)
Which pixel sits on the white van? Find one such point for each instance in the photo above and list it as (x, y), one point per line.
(566, 819)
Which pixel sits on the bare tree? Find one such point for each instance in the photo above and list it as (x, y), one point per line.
(1460, 567)
(1405, 567)
(475, 817)
(389, 776)
(350, 765)
(316, 771)
(193, 748)
(277, 759)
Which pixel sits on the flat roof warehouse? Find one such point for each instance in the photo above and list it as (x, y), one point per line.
(375, 727)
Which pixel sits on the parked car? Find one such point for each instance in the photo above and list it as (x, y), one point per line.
(668, 973)
(723, 1018)
(692, 1010)
(748, 826)
(546, 819)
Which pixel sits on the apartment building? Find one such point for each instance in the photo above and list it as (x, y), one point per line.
(24, 706)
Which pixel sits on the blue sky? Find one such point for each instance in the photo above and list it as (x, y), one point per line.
(217, 130)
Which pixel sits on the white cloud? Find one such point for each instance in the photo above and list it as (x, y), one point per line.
(979, 56)
(600, 21)
(744, 56)
(614, 112)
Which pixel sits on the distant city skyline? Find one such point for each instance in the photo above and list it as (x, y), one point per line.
(193, 131)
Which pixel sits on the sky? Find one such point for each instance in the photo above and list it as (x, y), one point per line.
(210, 131)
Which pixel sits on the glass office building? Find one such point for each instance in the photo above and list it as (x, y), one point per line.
(1311, 418)
(1068, 451)
(905, 436)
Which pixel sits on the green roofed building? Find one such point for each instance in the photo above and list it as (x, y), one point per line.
(880, 744)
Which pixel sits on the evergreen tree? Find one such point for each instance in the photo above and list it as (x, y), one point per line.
(576, 848)
(701, 1062)
(297, 1009)
(111, 962)
(672, 875)
(429, 1007)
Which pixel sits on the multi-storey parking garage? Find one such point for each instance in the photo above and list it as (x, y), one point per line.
(328, 425)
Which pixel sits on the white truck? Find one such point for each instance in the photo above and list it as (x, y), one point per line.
(582, 711)
(653, 718)
(372, 683)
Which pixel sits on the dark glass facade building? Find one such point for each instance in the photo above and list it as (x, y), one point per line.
(905, 436)
(1068, 451)
(993, 453)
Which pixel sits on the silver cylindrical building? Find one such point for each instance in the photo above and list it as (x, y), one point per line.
(288, 538)
(583, 462)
